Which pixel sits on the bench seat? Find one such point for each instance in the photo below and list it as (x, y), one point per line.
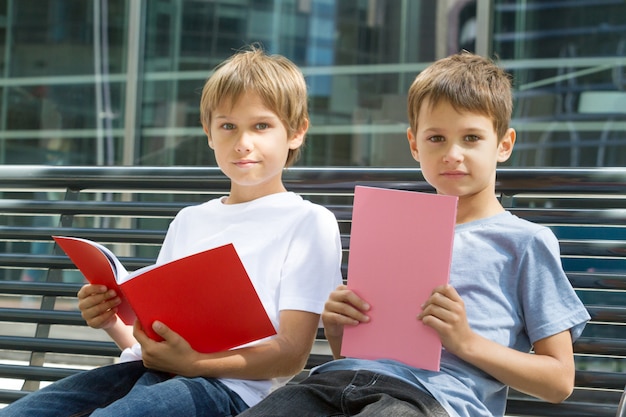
(43, 338)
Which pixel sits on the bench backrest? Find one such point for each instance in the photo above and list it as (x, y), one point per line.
(129, 208)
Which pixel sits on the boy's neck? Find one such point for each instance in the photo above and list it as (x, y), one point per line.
(471, 209)
(238, 195)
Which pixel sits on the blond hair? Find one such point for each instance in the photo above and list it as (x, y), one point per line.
(275, 79)
(469, 83)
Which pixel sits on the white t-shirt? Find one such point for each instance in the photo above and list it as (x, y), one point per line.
(290, 248)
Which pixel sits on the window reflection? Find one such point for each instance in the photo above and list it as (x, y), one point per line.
(73, 71)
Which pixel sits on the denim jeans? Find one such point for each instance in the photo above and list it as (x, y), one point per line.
(128, 389)
(348, 393)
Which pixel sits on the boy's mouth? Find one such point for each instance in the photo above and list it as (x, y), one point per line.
(245, 163)
(454, 174)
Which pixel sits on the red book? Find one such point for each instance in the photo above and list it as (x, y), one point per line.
(207, 297)
(400, 250)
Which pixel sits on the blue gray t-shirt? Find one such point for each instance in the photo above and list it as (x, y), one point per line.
(509, 274)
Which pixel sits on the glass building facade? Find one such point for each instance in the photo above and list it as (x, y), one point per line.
(117, 82)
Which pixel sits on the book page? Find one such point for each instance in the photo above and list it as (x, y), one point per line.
(130, 275)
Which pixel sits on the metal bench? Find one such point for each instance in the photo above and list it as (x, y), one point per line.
(43, 337)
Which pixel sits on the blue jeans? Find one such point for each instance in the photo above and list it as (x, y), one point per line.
(346, 394)
(128, 389)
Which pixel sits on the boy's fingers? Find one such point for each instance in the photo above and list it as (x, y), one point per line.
(89, 290)
(90, 312)
(339, 319)
(346, 296)
(161, 329)
(357, 301)
(101, 302)
(449, 291)
(343, 313)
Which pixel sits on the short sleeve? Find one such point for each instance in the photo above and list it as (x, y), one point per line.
(550, 304)
(312, 268)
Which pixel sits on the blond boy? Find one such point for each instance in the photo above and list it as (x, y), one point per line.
(254, 113)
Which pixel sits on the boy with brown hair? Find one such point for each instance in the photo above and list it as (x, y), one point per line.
(254, 113)
(507, 293)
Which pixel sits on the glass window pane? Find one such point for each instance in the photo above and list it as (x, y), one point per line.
(63, 64)
(567, 59)
(359, 58)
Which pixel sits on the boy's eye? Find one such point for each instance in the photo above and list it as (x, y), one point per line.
(228, 126)
(471, 138)
(262, 126)
(436, 139)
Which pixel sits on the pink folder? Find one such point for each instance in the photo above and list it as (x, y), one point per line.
(400, 249)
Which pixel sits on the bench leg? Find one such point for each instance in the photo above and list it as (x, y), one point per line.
(621, 408)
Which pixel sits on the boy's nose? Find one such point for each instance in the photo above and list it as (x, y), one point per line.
(244, 143)
(454, 153)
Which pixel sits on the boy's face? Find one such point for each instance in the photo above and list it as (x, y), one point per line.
(458, 152)
(251, 146)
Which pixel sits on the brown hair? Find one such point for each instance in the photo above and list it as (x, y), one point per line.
(278, 82)
(469, 83)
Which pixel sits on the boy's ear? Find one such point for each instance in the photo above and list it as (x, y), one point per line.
(298, 138)
(208, 135)
(412, 144)
(505, 147)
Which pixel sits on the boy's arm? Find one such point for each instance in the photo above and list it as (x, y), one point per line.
(547, 374)
(283, 355)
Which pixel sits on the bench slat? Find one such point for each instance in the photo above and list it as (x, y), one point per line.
(8, 396)
(28, 261)
(604, 380)
(39, 373)
(600, 345)
(102, 235)
(29, 315)
(112, 208)
(582, 403)
(42, 344)
(60, 289)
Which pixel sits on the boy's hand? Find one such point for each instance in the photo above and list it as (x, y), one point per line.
(444, 311)
(343, 307)
(173, 354)
(98, 306)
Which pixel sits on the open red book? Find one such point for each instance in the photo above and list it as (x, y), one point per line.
(400, 250)
(207, 297)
